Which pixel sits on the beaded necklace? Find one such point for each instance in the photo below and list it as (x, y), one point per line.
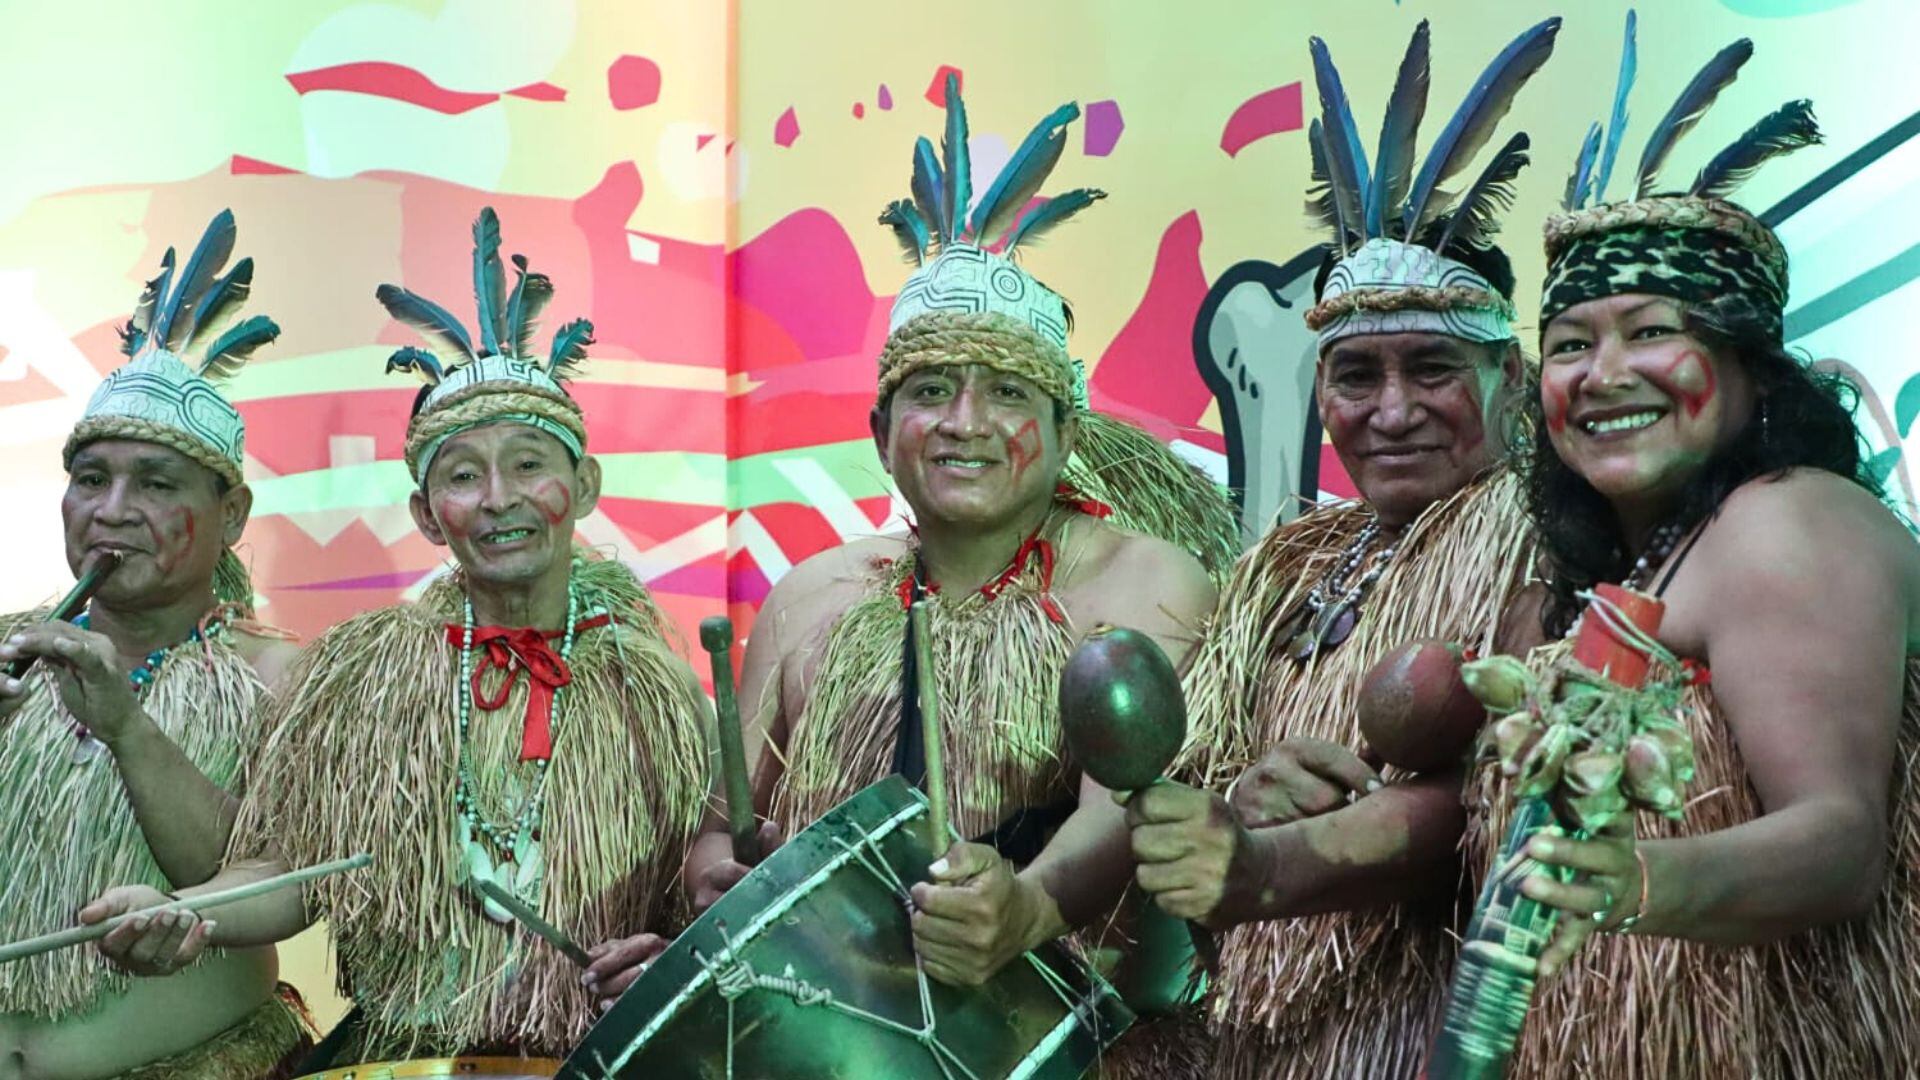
(86, 747)
(1332, 607)
(519, 840)
(1659, 548)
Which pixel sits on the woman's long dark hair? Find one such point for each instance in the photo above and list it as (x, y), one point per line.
(1809, 424)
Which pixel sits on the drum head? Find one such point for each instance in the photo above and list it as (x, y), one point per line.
(806, 969)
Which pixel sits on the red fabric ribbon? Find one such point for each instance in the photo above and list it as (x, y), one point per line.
(514, 649)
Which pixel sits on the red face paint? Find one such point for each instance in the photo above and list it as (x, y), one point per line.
(1688, 379)
(1024, 448)
(456, 511)
(1555, 400)
(555, 501)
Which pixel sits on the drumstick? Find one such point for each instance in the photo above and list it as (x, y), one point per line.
(930, 723)
(531, 919)
(94, 576)
(80, 935)
(716, 636)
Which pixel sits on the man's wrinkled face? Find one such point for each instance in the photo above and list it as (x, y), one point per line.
(1633, 402)
(1408, 414)
(163, 511)
(970, 444)
(504, 497)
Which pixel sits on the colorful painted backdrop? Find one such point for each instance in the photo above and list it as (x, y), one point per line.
(702, 180)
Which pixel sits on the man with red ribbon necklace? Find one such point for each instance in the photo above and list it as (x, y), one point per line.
(525, 724)
(981, 421)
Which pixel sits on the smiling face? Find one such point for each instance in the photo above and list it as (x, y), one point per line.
(1407, 413)
(504, 497)
(164, 512)
(1635, 404)
(971, 445)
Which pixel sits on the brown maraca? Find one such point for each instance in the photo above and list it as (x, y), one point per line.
(1416, 711)
(1122, 708)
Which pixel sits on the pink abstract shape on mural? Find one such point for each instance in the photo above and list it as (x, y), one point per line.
(786, 129)
(937, 89)
(633, 82)
(859, 110)
(540, 91)
(379, 78)
(700, 141)
(1147, 373)
(1268, 113)
(885, 98)
(1103, 128)
(823, 311)
(242, 165)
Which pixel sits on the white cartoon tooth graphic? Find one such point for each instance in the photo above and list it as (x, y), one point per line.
(1257, 356)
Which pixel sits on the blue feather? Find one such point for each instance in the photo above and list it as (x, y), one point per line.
(226, 294)
(1346, 159)
(489, 281)
(1790, 127)
(909, 228)
(1687, 110)
(134, 336)
(1393, 165)
(929, 188)
(1021, 177)
(418, 361)
(569, 348)
(1322, 206)
(432, 320)
(1057, 209)
(959, 171)
(1473, 123)
(231, 349)
(1474, 221)
(172, 322)
(1617, 122)
(1581, 182)
(530, 295)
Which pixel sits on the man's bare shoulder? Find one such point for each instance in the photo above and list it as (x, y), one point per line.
(822, 586)
(1120, 576)
(271, 655)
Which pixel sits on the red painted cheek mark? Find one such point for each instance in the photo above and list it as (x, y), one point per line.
(1690, 379)
(170, 547)
(554, 500)
(1554, 402)
(456, 514)
(1023, 448)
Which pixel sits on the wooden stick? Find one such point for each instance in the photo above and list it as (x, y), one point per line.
(74, 602)
(80, 935)
(716, 636)
(930, 725)
(531, 919)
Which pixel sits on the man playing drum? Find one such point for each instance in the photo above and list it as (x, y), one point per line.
(981, 422)
(151, 698)
(1334, 888)
(524, 724)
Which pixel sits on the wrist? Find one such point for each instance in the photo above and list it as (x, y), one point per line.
(1036, 913)
(131, 733)
(1252, 890)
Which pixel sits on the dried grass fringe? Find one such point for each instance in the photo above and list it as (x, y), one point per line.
(1341, 991)
(1842, 1000)
(71, 833)
(363, 758)
(256, 1048)
(1153, 491)
(997, 664)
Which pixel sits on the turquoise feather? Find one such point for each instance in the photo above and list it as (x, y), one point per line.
(489, 282)
(1617, 121)
(909, 228)
(1790, 127)
(226, 294)
(959, 171)
(569, 348)
(231, 349)
(1346, 158)
(929, 188)
(1393, 165)
(173, 321)
(1687, 110)
(418, 361)
(1057, 209)
(1021, 177)
(1581, 182)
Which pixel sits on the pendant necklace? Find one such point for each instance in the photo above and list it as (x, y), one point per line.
(1332, 609)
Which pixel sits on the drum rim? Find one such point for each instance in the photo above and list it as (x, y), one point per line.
(365, 1071)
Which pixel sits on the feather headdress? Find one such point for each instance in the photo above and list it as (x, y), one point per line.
(1788, 128)
(184, 336)
(1388, 198)
(503, 377)
(1392, 219)
(1597, 248)
(942, 212)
